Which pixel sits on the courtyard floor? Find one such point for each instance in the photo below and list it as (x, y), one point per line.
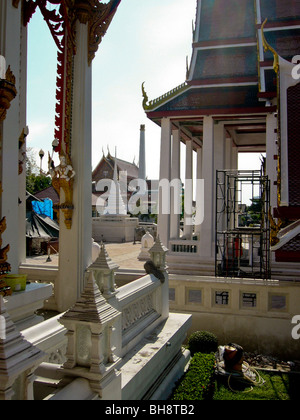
(124, 254)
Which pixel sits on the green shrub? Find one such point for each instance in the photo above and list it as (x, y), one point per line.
(203, 342)
(198, 382)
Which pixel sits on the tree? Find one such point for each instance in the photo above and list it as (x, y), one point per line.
(255, 209)
(35, 181)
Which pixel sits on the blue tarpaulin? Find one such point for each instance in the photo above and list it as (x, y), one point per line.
(44, 207)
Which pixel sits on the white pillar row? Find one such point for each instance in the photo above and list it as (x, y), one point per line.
(219, 164)
(22, 151)
(199, 193)
(75, 250)
(188, 191)
(175, 194)
(234, 158)
(12, 37)
(206, 230)
(163, 222)
(219, 146)
(228, 152)
(271, 152)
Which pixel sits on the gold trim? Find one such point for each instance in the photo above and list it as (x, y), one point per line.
(274, 229)
(63, 178)
(100, 19)
(164, 98)
(267, 47)
(8, 92)
(145, 97)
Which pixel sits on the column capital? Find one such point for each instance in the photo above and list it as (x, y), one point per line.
(83, 11)
(8, 92)
(16, 3)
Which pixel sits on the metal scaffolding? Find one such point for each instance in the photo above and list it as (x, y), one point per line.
(242, 224)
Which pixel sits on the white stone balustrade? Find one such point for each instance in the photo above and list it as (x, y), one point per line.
(140, 303)
(180, 246)
(255, 313)
(95, 342)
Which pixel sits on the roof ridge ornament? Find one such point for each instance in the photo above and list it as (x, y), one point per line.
(145, 97)
(163, 98)
(267, 47)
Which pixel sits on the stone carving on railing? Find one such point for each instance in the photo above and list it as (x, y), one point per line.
(104, 270)
(58, 356)
(137, 310)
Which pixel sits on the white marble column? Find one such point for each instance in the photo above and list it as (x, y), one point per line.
(228, 153)
(175, 194)
(271, 152)
(163, 223)
(199, 194)
(22, 156)
(188, 191)
(75, 250)
(219, 146)
(11, 45)
(219, 164)
(234, 158)
(206, 232)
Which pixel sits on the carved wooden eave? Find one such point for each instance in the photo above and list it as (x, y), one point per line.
(97, 15)
(100, 19)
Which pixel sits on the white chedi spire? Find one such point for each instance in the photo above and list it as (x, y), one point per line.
(115, 204)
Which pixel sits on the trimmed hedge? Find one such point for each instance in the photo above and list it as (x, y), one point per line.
(198, 381)
(203, 342)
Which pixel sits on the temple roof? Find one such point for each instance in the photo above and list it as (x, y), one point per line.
(108, 162)
(278, 11)
(225, 99)
(224, 20)
(229, 72)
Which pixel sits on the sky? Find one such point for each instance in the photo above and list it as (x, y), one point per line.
(147, 41)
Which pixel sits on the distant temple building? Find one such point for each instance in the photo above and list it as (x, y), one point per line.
(112, 168)
(105, 168)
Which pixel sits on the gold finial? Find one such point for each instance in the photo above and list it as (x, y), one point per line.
(267, 47)
(145, 97)
(187, 67)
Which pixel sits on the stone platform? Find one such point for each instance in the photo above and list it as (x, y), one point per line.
(157, 359)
